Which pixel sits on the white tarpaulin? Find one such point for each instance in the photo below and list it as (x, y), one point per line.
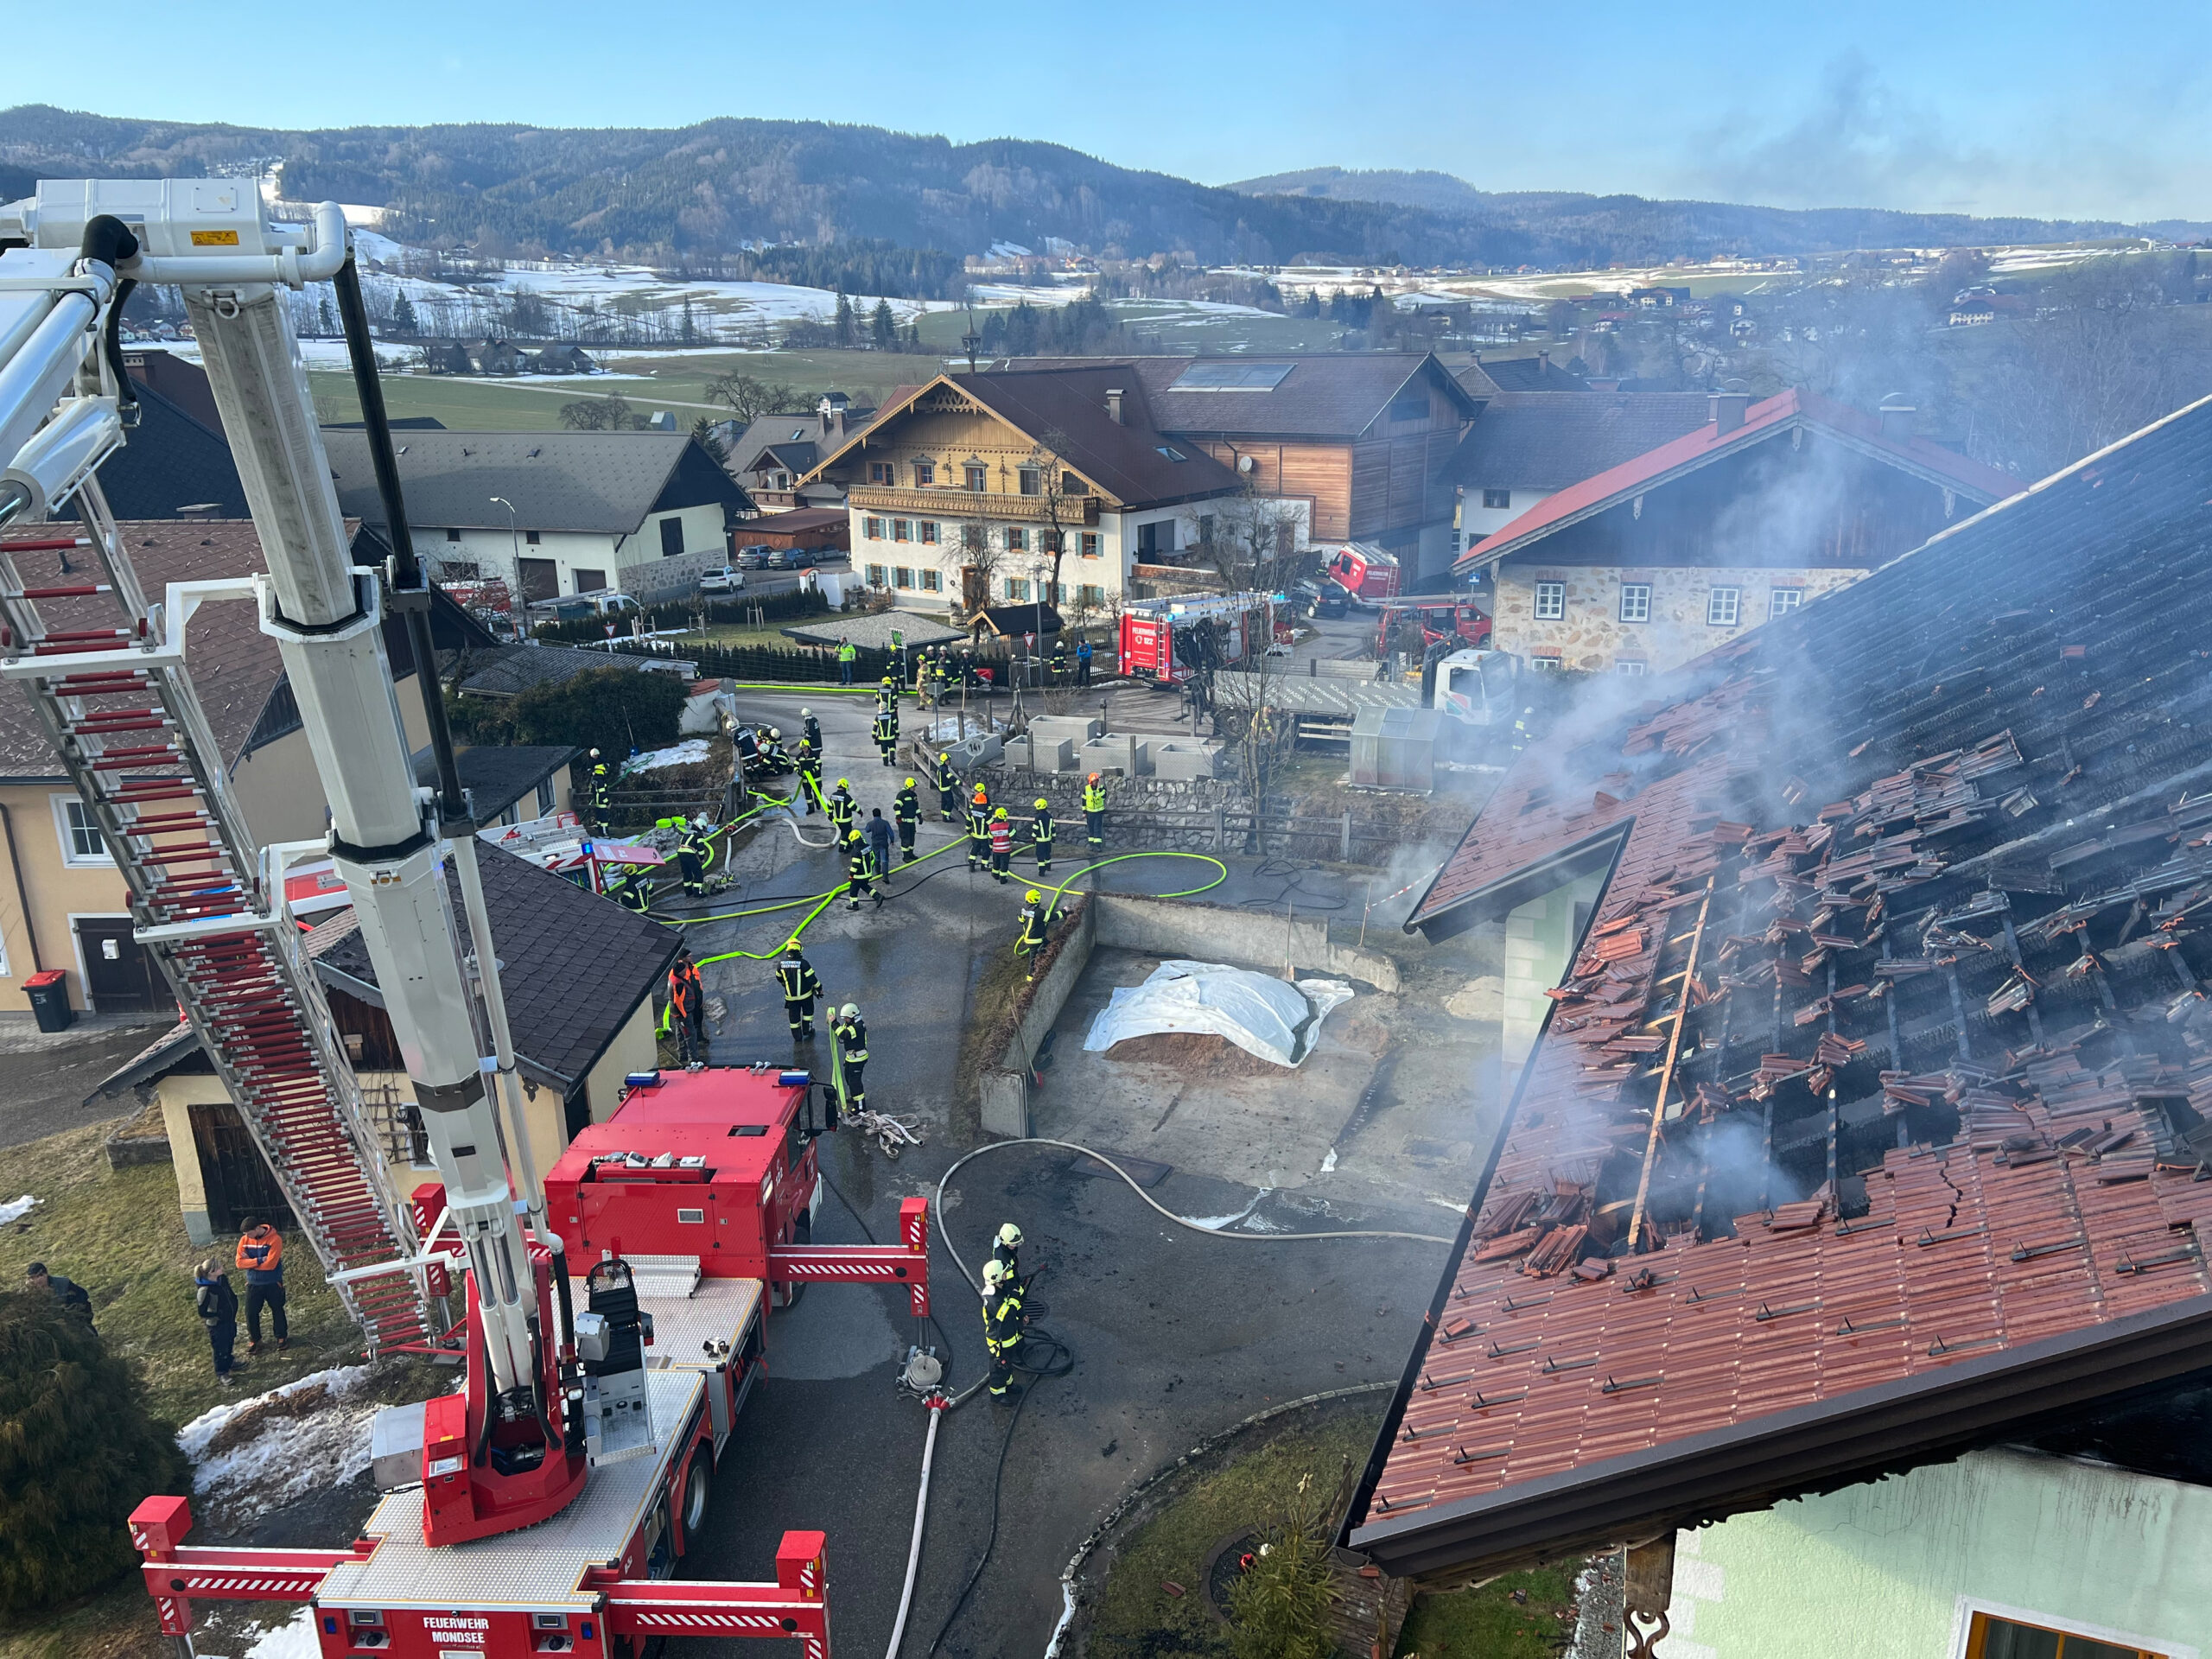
(1259, 1013)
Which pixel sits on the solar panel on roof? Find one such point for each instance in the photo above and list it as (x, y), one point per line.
(1231, 377)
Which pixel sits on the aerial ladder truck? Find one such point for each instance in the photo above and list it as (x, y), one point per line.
(544, 1506)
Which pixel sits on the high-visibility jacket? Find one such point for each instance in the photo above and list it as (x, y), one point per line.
(841, 808)
(886, 729)
(907, 808)
(797, 978)
(852, 1039)
(859, 867)
(1035, 924)
(1001, 835)
(813, 734)
(1094, 798)
(1040, 827)
(633, 894)
(947, 775)
(848, 652)
(1002, 1323)
(979, 820)
(699, 842)
(683, 985)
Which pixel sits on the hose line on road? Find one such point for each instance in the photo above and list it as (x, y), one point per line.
(1181, 1221)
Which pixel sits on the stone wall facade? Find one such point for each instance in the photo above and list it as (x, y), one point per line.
(1593, 636)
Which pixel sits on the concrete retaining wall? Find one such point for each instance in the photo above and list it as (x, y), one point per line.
(1254, 938)
(1005, 1087)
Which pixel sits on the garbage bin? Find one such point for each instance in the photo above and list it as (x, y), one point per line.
(49, 995)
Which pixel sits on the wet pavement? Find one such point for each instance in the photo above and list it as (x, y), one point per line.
(1174, 1336)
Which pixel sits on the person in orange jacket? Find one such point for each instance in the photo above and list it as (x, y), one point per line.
(261, 1258)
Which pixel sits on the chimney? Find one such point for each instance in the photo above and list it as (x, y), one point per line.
(1543, 364)
(1114, 404)
(1899, 416)
(1727, 410)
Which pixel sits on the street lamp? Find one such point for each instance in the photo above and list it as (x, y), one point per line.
(519, 604)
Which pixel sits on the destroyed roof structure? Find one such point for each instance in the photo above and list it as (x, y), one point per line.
(1886, 1044)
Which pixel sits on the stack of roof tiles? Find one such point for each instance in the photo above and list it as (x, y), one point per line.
(1900, 943)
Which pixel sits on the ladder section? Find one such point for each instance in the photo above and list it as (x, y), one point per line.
(106, 674)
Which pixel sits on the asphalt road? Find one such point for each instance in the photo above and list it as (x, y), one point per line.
(1173, 1335)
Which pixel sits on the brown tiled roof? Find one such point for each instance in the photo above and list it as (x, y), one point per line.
(1901, 917)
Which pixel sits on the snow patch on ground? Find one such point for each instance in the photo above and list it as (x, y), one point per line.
(692, 751)
(278, 1447)
(297, 1640)
(15, 1209)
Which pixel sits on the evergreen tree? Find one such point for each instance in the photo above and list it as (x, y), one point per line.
(402, 314)
(326, 323)
(883, 326)
(844, 323)
(78, 1452)
(691, 328)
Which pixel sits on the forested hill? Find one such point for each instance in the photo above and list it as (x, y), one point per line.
(1639, 231)
(667, 194)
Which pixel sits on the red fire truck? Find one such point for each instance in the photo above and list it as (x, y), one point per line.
(684, 1214)
(1168, 640)
(1364, 571)
(1439, 619)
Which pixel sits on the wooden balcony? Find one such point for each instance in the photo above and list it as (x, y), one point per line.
(1075, 509)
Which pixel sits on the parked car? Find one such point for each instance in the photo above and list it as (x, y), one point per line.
(780, 558)
(569, 607)
(727, 579)
(805, 558)
(753, 558)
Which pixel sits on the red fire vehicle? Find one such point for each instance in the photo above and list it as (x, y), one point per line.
(1439, 619)
(1364, 571)
(1168, 640)
(682, 1215)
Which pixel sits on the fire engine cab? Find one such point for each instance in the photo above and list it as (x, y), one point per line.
(1169, 640)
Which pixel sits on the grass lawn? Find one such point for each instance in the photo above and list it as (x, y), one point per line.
(119, 1234)
(1137, 1617)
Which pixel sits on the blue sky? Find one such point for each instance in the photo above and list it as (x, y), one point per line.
(2034, 108)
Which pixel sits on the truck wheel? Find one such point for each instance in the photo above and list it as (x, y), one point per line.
(698, 1487)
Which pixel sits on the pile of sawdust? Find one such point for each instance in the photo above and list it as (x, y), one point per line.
(1195, 1054)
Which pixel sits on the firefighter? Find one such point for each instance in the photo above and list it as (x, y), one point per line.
(687, 1011)
(1059, 659)
(1001, 1329)
(907, 813)
(860, 867)
(774, 761)
(885, 731)
(800, 986)
(1005, 1250)
(691, 855)
(848, 1059)
(1001, 847)
(810, 732)
(948, 788)
(887, 696)
(979, 828)
(1094, 812)
(810, 778)
(842, 809)
(940, 676)
(601, 788)
(1040, 836)
(633, 891)
(1036, 928)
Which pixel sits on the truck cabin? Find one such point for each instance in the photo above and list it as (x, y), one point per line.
(1458, 620)
(718, 1164)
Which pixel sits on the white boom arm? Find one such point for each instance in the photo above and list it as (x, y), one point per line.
(57, 419)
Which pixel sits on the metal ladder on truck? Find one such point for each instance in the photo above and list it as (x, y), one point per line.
(117, 704)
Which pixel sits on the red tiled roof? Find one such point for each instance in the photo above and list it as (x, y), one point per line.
(1917, 879)
(1981, 485)
(1532, 1373)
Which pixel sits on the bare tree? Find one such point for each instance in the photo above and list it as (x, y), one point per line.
(748, 399)
(1254, 545)
(1061, 494)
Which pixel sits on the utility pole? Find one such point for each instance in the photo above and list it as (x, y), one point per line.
(519, 604)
